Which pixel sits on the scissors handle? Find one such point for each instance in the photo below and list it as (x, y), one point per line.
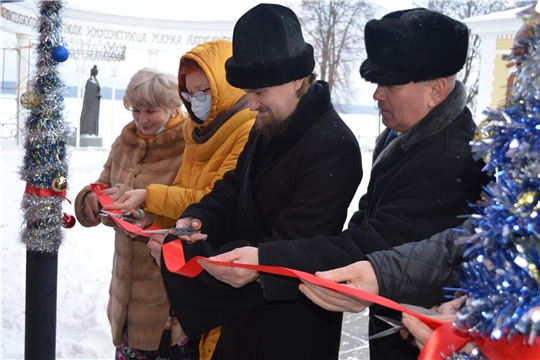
(179, 231)
(131, 216)
(186, 230)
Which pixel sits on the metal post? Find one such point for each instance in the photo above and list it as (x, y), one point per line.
(41, 292)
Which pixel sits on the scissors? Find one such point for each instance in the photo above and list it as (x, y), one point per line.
(398, 325)
(181, 231)
(125, 217)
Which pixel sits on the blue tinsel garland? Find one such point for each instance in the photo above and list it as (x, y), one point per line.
(501, 268)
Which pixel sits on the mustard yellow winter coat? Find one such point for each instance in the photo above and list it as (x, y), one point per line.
(137, 294)
(208, 154)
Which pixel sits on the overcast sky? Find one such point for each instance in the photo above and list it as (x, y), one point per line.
(183, 10)
(193, 9)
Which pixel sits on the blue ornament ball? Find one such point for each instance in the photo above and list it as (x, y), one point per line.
(60, 53)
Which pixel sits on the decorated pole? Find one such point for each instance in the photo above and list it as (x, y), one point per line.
(45, 171)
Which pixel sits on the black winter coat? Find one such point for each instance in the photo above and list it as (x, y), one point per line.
(419, 185)
(297, 186)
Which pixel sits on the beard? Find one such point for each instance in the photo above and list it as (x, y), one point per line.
(271, 127)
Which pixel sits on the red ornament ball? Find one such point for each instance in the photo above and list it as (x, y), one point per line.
(68, 221)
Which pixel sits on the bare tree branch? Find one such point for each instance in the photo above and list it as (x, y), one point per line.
(335, 29)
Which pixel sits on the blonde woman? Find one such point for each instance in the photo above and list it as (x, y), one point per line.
(148, 151)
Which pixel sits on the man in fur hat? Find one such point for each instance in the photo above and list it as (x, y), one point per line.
(295, 178)
(423, 173)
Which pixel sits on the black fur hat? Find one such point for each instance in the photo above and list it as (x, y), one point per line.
(268, 49)
(413, 45)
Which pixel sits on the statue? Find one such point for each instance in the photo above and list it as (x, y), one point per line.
(90, 109)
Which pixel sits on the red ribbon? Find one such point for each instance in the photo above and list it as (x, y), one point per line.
(444, 340)
(173, 255)
(106, 200)
(32, 190)
(447, 339)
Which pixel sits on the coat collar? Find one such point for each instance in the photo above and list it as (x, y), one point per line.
(436, 120)
(162, 146)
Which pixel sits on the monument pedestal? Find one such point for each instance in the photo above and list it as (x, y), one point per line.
(90, 140)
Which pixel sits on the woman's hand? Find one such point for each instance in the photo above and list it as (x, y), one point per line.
(114, 192)
(129, 201)
(91, 207)
(154, 244)
(141, 219)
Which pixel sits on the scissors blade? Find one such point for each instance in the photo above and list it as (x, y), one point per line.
(420, 310)
(384, 333)
(162, 231)
(108, 213)
(396, 326)
(390, 321)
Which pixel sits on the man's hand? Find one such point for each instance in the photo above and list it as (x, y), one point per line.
(236, 277)
(451, 307)
(418, 329)
(195, 225)
(129, 201)
(359, 275)
(421, 331)
(155, 243)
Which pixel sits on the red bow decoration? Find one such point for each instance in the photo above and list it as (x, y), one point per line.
(32, 190)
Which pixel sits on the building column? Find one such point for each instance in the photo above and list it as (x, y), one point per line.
(23, 64)
(152, 58)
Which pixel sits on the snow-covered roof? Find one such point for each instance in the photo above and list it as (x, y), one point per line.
(498, 16)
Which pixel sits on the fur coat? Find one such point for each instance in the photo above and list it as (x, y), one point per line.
(137, 294)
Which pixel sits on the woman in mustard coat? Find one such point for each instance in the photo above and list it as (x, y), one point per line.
(219, 126)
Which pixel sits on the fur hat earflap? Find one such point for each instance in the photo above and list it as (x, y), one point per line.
(413, 45)
(268, 49)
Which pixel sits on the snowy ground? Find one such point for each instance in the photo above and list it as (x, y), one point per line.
(85, 260)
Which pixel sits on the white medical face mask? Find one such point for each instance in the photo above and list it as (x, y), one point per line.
(157, 132)
(201, 109)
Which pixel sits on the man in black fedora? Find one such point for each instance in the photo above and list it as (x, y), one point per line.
(295, 178)
(423, 174)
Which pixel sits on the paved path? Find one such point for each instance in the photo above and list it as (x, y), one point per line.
(354, 344)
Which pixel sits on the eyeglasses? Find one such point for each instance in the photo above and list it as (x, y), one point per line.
(199, 95)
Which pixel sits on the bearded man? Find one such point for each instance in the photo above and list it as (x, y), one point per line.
(295, 179)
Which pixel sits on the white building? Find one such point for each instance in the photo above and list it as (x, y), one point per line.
(97, 39)
(496, 32)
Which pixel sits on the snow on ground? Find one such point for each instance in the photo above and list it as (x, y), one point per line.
(85, 261)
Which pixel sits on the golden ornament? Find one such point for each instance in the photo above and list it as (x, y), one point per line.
(59, 184)
(526, 198)
(29, 100)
